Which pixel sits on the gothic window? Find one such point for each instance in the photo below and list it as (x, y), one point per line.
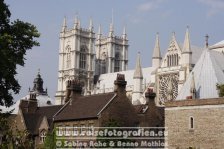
(82, 58)
(168, 87)
(42, 136)
(117, 62)
(68, 57)
(172, 60)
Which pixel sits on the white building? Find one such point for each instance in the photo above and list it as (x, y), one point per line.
(96, 64)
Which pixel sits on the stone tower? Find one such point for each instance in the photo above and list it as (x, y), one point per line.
(76, 57)
(111, 52)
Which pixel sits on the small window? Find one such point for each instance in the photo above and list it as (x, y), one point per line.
(191, 122)
(75, 130)
(60, 130)
(42, 136)
(67, 130)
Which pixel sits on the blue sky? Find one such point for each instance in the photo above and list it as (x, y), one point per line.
(143, 19)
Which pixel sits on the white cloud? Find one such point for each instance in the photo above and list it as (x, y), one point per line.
(150, 5)
(215, 6)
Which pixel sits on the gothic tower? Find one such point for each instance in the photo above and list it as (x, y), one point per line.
(76, 57)
(111, 52)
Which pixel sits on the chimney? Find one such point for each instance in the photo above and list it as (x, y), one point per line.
(150, 96)
(120, 84)
(30, 105)
(73, 88)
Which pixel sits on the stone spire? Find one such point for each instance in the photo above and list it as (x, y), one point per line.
(156, 57)
(187, 46)
(193, 89)
(91, 24)
(138, 79)
(64, 25)
(186, 51)
(138, 68)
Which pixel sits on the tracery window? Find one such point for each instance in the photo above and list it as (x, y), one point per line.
(82, 58)
(168, 87)
(68, 57)
(117, 62)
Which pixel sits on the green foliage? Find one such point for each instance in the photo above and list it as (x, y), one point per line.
(220, 88)
(50, 141)
(16, 38)
(12, 137)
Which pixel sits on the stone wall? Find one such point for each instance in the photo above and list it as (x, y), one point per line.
(208, 130)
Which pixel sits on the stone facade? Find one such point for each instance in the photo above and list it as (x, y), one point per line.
(195, 123)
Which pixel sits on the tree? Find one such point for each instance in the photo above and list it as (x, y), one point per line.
(220, 88)
(16, 38)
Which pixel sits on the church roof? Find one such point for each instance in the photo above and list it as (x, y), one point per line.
(208, 71)
(108, 84)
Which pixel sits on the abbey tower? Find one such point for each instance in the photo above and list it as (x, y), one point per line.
(80, 56)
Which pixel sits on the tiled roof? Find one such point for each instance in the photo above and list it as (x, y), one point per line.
(83, 107)
(33, 120)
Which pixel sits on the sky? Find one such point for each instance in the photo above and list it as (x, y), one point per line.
(142, 18)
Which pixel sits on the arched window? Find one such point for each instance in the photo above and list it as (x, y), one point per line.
(191, 122)
(82, 58)
(117, 62)
(42, 136)
(68, 57)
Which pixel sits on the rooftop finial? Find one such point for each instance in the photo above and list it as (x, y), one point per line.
(64, 25)
(206, 40)
(91, 24)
